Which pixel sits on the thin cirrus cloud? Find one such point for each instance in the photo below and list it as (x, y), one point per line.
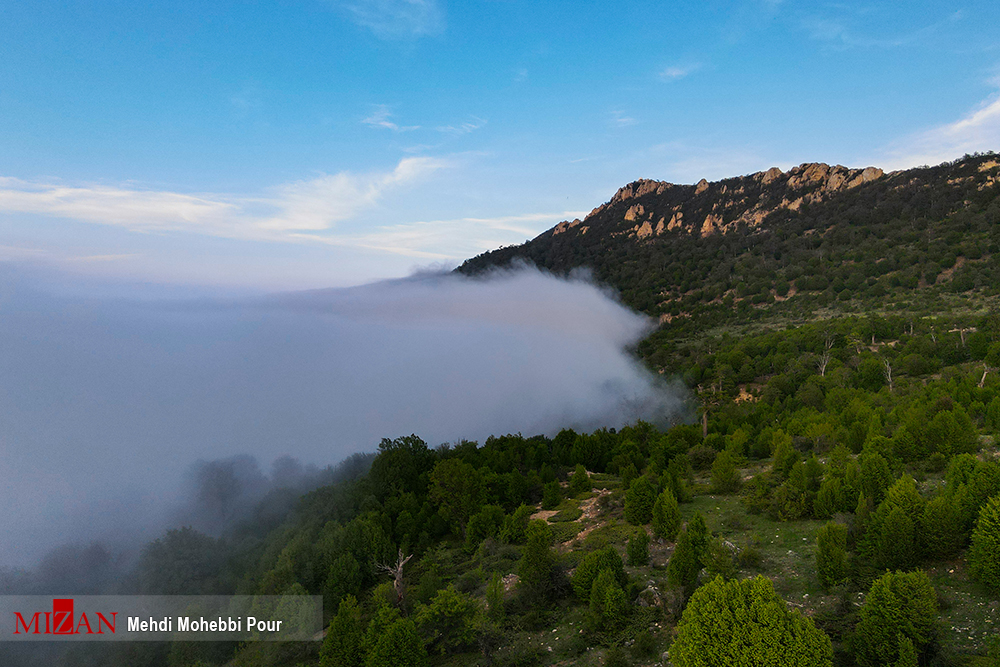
(454, 239)
(620, 119)
(380, 119)
(978, 130)
(313, 205)
(471, 125)
(395, 19)
(675, 72)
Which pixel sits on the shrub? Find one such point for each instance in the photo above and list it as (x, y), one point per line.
(897, 604)
(745, 623)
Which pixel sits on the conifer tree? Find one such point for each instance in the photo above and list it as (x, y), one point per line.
(984, 555)
(831, 554)
(897, 604)
(342, 646)
(639, 501)
(535, 566)
(744, 622)
(666, 516)
(638, 548)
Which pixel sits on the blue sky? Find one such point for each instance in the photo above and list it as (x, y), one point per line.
(326, 142)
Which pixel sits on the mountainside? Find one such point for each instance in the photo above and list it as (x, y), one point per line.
(811, 235)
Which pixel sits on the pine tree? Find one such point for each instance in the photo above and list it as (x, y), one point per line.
(688, 558)
(666, 516)
(638, 548)
(580, 481)
(897, 604)
(639, 501)
(725, 476)
(535, 566)
(831, 554)
(592, 565)
(984, 555)
(342, 646)
(941, 528)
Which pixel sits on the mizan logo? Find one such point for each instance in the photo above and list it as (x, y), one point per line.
(60, 621)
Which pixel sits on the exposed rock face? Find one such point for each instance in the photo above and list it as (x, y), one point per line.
(654, 209)
(634, 212)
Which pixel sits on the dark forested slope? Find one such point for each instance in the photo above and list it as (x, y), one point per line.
(814, 234)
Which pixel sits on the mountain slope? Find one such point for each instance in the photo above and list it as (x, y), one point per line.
(787, 242)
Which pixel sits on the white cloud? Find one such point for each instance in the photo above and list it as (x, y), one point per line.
(675, 72)
(380, 119)
(396, 19)
(463, 128)
(619, 119)
(978, 131)
(455, 239)
(313, 205)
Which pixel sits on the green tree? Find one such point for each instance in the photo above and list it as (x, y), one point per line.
(831, 554)
(450, 619)
(892, 541)
(398, 646)
(897, 604)
(907, 653)
(608, 602)
(487, 522)
(495, 594)
(342, 646)
(984, 555)
(535, 566)
(666, 516)
(592, 564)
(457, 488)
(515, 525)
(551, 495)
(639, 501)
(941, 527)
(638, 548)
(725, 475)
(580, 481)
(689, 555)
(745, 623)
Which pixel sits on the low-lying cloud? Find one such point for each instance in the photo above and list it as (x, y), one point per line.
(107, 403)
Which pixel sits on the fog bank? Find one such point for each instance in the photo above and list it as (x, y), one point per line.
(107, 403)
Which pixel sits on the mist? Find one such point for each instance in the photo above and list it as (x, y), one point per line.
(123, 414)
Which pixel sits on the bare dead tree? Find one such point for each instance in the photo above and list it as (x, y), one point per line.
(396, 572)
(986, 369)
(824, 359)
(887, 372)
(933, 336)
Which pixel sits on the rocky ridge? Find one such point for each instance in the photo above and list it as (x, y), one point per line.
(647, 208)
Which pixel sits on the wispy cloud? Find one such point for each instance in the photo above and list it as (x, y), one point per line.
(396, 19)
(979, 130)
(380, 116)
(839, 31)
(619, 119)
(675, 72)
(451, 239)
(471, 125)
(279, 214)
